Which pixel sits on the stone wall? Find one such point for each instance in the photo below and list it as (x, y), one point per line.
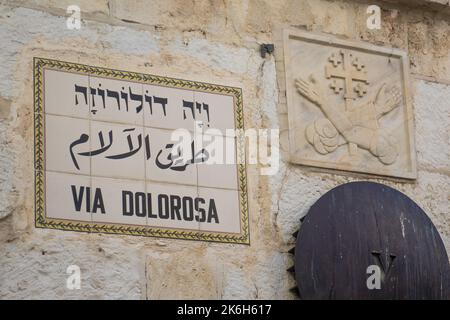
(213, 41)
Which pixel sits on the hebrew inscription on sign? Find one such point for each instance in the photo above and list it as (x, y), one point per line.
(348, 106)
(106, 160)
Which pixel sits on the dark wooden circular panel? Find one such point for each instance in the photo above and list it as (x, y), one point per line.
(360, 224)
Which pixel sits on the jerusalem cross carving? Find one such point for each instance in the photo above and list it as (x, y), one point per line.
(348, 106)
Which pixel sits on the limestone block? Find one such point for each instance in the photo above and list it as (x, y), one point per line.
(35, 267)
(86, 6)
(188, 274)
(432, 134)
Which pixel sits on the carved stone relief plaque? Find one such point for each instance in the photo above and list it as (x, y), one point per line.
(348, 106)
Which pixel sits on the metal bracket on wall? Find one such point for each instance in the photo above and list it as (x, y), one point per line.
(266, 48)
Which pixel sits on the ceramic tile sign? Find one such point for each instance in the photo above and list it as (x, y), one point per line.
(348, 106)
(106, 161)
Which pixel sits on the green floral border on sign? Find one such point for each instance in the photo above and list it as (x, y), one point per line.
(42, 221)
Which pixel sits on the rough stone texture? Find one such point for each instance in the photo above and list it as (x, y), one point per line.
(436, 4)
(199, 269)
(7, 193)
(38, 268)
(86, 6)
(431, 106)
(214, 42)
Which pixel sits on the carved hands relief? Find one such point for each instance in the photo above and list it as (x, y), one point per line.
(352, 107)
(358, 124)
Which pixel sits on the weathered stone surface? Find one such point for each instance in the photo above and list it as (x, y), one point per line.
(212, 42)
(7, 193)
(433, 134)
(198, 275)
(35, 266)
(86, 6)
(428, 47)
(394, 28)
(430, 3)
